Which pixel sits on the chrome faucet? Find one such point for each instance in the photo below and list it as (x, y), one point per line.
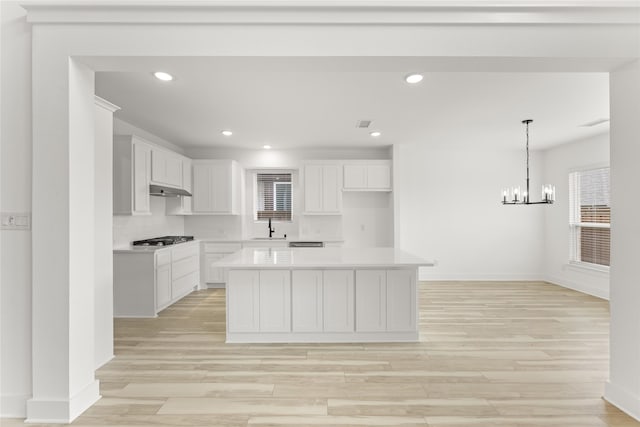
(271, 230)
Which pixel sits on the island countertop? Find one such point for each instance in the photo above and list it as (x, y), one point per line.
(292, 258)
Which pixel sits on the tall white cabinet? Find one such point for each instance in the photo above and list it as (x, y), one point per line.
(322, 189)
(131, 175)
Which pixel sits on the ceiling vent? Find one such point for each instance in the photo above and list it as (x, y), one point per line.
(593, 123)
(363, 123)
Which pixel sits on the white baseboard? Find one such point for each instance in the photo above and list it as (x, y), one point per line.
(580, 287)
(429, 277)
(13, 406)
(104, 361)
(63, 411)
(622, 399)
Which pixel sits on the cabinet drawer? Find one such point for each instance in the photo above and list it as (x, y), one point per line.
(184, 285)
(222, 247)
(184, 266)
(185, 252)
(163, 257)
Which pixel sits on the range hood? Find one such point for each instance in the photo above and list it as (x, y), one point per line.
(162, 191)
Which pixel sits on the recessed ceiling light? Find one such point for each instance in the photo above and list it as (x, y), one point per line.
(375, 134)
(161, 75)
(414, 78)
(266, 147)
(226, 133)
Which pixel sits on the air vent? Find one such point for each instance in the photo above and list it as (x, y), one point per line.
(593, 123)
(363, 123)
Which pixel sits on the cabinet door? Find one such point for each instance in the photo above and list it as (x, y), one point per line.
(337, 300)
(331, 191)
(202, 201)
(141, 177)
(220, 186)
(313, 188)
(243, 301)
(306, 301)
(163, 285)
(401, 300)
(174, 170)
(379, 177)
(355, 177)
(371, 299)
(275, 301)
(214, 274)
(186, 184)
(159, 166)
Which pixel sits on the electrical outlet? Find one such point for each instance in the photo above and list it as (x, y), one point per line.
(16, 221)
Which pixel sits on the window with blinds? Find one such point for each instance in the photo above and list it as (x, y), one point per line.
(590, 216)
(273, 196)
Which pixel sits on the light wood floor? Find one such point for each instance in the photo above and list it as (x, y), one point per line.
(490, 354)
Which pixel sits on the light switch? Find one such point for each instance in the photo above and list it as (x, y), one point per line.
(16, 221)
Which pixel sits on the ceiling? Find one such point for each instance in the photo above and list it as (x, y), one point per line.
(298, 105)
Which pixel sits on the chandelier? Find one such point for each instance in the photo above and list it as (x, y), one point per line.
(515, 196)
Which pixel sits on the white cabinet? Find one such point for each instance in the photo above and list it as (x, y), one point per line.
(243, 307)
(367, 175)
(166, 167)
(260, 243)
(163, 286)
(275, 301)
(131, 175)
(145, 282)
(212, 253)
(322, 184)
(217, 187)
(259, 301)
(306, 300)
(401, 300)
(337, 300)
(371, 300)
(182, 205)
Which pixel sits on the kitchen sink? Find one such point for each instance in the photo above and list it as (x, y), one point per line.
(269, 238)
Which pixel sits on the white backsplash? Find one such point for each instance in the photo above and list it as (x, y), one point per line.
(127, 228)
(321, 227)
(214, 226)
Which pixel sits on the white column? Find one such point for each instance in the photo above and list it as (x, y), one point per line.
(64, 384)
(623, 388)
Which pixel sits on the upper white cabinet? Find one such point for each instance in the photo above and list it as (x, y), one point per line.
(166, 167)
(367, 175)
(322, 185)
(217, 187)
(131, 175)
(182, 205)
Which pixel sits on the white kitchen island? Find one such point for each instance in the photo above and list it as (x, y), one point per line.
(322, 295)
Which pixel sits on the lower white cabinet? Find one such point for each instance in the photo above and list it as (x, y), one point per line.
(337, 301)
(146, 281)
(322, 305)
(306, 301)
(213, 252)
(259, 301)
(401, 300)
(163, 285)
(243, 304)
(275, 300)
(371, 300)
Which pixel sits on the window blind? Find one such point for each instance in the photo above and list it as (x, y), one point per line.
(590, 210)
(273, 196)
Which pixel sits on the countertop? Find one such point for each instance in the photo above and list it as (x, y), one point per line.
(149, 249)
(288, 239)
(249, 258)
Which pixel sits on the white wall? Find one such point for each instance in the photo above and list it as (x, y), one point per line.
(447, 208)
(558, 163)
(15, 268)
